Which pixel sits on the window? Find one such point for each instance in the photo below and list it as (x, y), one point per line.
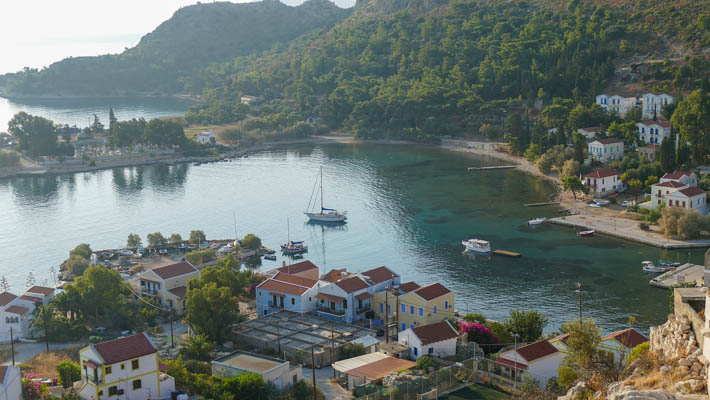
(416, 351)
(446, 305)
(170, 303)
(411, 310)
(434, 309)
(421, 311)
(345, 304)
(142, 283)
(382, 307)
(293, 301)
(404, 326)
(388, 308)
(264, 314)
(101, 393)
(108, 370)
(135, 364)
(295, 379)
(404, 308)
(136, 384)
(309, 299)
(112, 391)
(431, 350)
(123, 366)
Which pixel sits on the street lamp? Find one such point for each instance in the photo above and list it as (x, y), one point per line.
(515, 361)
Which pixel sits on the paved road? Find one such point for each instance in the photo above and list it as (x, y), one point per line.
(331, 391)
(25, 351)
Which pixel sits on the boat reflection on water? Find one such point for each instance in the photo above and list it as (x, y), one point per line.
(477, 256)
(327, 226)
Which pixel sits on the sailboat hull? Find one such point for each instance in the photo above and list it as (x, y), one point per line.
(328, 217)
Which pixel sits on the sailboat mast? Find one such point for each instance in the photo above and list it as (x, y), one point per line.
(234, 214)
(321, 189)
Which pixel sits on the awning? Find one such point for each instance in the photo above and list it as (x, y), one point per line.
(511, 364)
(329, 297)
(91, 364)
(363, 296)
(276, 294)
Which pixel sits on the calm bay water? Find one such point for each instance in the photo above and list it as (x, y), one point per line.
(409, 208)
(80, 111)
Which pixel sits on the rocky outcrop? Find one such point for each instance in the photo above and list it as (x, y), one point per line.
(674, 339)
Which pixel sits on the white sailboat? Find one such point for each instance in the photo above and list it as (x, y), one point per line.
(324, 214)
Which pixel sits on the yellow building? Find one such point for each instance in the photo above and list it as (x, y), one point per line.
(411, 305)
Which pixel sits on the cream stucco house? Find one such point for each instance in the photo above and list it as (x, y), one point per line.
(168, 285)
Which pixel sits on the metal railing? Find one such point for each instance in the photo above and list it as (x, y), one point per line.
(328, 310)
(275, 305)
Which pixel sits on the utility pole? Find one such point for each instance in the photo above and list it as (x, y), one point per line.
(387, 318)
(515, 361)
(313, 369)
(579, 292)
(12, 347)
(278, 336)
(172, 338)
(332, 347)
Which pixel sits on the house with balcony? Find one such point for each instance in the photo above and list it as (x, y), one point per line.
(654, 132)
(653, 103)
(679, 189)
(606, 150)
(346, 300)
(286, 292)
(168, 285)
(616, 103)
(412, 305)
(125, 368)
(602, 182)
(437, 340)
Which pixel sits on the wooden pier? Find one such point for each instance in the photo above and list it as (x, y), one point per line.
(490, 168)
(507, 253)
(684, 274)
(549, 203)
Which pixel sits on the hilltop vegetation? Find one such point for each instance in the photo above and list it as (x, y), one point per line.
(165, 59)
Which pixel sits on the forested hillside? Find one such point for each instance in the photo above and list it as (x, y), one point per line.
(195, 37)
(460, 64)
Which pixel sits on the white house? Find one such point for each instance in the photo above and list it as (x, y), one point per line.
(247, 99)
(621, 342)
(286, 292)
(606, 150)
(654, 132)
(10, 383)
(653, 103)
(281, 373)
(660, 190)
(684, 177)
(617, 104)
(437, 339)
(590, 132)
(168, 285)
(602, 182)
(125, 368)
(540, 360)
(206, 137)
(16, 312)
(692, 198)
(345, 300)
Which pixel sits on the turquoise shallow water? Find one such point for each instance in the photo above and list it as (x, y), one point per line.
(409, 208)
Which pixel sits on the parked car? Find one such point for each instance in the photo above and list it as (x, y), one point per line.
(627, 203)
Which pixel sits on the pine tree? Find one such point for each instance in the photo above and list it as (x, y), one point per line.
(111, 119)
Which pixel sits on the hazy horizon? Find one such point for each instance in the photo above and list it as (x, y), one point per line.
(38, 33)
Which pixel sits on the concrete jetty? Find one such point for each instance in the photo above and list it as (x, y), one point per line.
(494, 167)
(684, 274)
(625, 229)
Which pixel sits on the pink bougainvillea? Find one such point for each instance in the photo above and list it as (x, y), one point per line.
(477, 333)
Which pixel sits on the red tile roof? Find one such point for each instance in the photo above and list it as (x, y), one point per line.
(179, 292)
(671, 184)
(432, 291)
(380, 274)
(282, 287)
(293, 279)
(628, 337)
(41, 290)
(126, 348)
(353, 284)
(511, 364)
(408, 286)
(675, 175)
(601, 173)
(609, 141)
(539, 349)
(173, 270)
(17, 310)
(297, 268)
(333, 275)
(562, 338)
(692, 191)
(381, 368)
(435, 332)
(30, 298)
(5, 298)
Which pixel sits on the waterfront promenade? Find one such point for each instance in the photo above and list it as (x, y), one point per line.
(625, 228)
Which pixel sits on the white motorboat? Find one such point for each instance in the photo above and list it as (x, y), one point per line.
(477, 245)
(125, 252)
(324, 214)
(537, 221)
(649, 267)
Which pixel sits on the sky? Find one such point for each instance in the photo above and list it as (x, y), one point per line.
(35, 33)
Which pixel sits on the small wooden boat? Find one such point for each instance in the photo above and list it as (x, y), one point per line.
(585, 233)
(649, 267)
(294, 247)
